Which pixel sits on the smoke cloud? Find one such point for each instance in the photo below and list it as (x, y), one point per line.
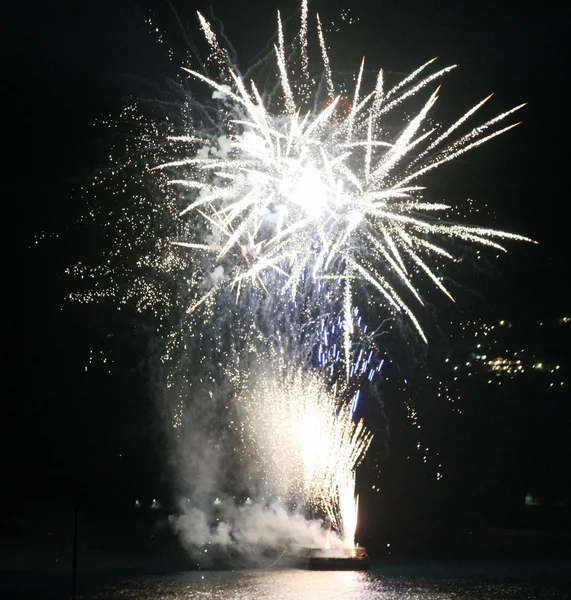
(251, 532)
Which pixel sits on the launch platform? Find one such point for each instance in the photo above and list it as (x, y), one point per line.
(321, 559)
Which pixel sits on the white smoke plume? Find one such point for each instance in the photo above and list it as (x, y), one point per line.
(251, 531)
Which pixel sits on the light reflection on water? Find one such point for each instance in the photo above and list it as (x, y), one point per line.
(311, 585)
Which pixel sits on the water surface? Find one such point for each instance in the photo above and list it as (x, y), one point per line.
(411, 582)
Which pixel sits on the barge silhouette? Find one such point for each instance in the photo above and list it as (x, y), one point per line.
(322, 559)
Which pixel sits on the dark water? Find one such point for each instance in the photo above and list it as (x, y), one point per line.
(438, 581)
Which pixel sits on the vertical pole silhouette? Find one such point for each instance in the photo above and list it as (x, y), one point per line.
(74, 564)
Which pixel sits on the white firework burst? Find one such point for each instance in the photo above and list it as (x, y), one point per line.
(325, 192)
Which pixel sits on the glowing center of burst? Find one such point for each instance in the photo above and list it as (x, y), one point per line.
(303, 186)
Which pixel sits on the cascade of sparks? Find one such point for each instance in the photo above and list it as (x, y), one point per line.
(306, 196)
(305, 441)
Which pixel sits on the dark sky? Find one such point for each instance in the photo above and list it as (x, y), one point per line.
(67, 431)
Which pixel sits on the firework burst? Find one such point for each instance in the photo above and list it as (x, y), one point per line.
(324, 192)
(279, 202)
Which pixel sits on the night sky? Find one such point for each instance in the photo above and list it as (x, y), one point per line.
(78, 422)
